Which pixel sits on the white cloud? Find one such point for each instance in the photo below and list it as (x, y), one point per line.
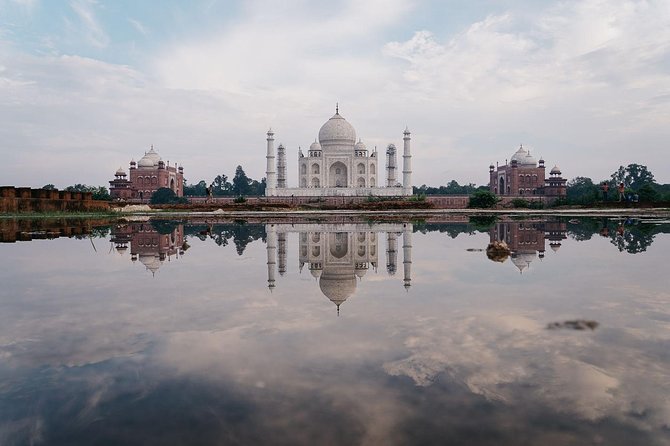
(91, 30)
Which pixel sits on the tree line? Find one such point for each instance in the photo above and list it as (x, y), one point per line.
(241, 185)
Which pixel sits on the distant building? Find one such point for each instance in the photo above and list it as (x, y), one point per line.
(525, 176)
(338, 165)
(146, 176)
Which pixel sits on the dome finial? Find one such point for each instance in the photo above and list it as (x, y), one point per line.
(337, 108)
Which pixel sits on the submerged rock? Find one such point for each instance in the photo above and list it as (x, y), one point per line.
(577, 324)
(498, 251)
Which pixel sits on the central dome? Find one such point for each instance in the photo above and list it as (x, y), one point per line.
(337, 131)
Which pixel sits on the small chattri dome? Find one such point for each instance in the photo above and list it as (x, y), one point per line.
(555, 170)
(315, 145)
(360, 145)
(120, 172)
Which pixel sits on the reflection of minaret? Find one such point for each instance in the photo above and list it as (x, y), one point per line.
(281, 244)
(272, 250)
(281, 167)
(407, 254)
(391, 253)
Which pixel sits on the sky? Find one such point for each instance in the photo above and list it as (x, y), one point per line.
(86, 85)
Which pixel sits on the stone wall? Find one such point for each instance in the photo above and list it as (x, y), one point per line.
(14, 200)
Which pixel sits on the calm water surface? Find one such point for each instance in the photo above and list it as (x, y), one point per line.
(342, 333)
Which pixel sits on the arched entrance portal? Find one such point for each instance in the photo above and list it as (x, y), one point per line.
(501, 187)
(172, 185)
(337, 175)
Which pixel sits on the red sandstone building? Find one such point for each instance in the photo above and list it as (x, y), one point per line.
(524, 176)
(146, 176)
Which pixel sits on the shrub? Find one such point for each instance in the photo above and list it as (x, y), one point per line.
(240, 199)
(520, 203)
(165, 195)
(483, 199)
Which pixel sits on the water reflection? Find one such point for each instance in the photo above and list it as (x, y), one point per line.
(337, 255)
(573, 351)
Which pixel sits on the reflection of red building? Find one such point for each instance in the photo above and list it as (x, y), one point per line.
(526, 239)
(525, 176)
(147, 245)
(146, 176)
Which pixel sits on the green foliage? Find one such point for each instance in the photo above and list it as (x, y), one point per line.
(99, 192)
(195, 190)
(419, 197)
(452, 188)
(241, 182)
(483, 223)
(520, 203)
(483, 199)
(49, 187)
(647, 193)
(633, 176)
(240, 199)
(165, 195)
(581, 190)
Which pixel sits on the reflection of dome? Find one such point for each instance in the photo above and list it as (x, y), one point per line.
(555, 246)
(151, 262)
(522, 259)
(316, 273)
(315, 145)
(524, 158)
(337, 131)
(337, 287)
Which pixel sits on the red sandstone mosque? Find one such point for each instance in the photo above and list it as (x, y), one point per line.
(146, 176)
(526, 176)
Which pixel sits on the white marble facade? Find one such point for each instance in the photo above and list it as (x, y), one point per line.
(338, 165)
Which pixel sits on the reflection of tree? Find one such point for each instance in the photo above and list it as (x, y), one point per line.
(451, 229)
(633, 238)
(240, 233)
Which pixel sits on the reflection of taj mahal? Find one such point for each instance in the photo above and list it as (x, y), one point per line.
(338, 255)
(337, 164)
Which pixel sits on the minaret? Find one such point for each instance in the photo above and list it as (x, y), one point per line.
(406, 165)
(272, 251)
(281, 244)
(407, 254)
(390, 166)
(281, 167)
(270, 175)
(391, 252)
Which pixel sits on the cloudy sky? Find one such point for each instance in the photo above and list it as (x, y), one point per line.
(87, 85)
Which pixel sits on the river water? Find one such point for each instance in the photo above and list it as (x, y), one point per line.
(329, 333)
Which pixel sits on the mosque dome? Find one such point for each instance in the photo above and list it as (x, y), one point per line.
(524, 158)
(337, 131)
(337, 287)
(120, 171)
(522, 260)
(555, 170)
(150, 159)
(315, 145)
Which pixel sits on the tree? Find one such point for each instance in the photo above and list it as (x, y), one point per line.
(99, 192)
(483, 199)
(221, 185)
(633, 176)
(647, 193)
(241, 182)
(195, 190)
(165, 195)
(581, 190)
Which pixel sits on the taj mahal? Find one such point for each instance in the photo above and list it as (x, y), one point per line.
(338, 165)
